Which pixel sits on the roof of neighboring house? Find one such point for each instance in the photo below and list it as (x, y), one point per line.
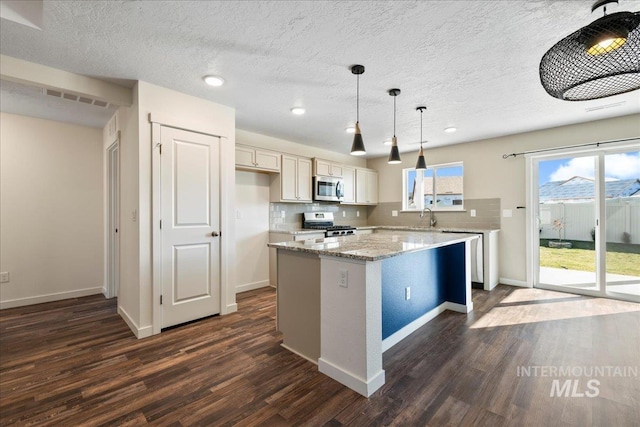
(444, 185)
(584, 188)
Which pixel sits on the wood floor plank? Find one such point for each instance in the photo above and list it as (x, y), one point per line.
(75, 362)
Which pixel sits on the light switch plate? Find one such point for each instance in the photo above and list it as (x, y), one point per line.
(507, 213)
(4, 277)
(394, 213)
(473, 212)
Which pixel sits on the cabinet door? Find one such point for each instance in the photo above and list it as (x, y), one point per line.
(337, 170)
(349, 181)
(304, 180)
(323, 168)
(289, 178)
(372, 187)
(268, 160)
(245, 156)
(361, 186)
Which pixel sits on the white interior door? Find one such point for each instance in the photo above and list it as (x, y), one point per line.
(113, 268)
(190, 206)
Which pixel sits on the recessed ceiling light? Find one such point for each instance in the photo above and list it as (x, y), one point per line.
(213, 80)
(387, 141)
(450, 129)
(350, 129)
(298, 111)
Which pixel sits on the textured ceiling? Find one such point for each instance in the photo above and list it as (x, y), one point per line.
(474, 64)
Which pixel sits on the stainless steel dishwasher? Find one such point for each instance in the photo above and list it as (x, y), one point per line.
(477, 259)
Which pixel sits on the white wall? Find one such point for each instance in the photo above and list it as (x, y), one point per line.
(191, 113)
(252, 230)
(488, 175)
(51, 216)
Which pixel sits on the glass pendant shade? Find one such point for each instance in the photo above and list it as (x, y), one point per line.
(421, 163)
(357, 148)
(596, 61)
(394, 154)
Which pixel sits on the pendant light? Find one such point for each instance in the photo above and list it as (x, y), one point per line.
(596, 61)
(421, 163)
(394, 154)
(357, 148)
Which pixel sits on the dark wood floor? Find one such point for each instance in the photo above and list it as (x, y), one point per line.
(75, 362)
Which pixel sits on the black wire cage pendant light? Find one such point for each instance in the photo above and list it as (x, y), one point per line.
(394, 154)
(357, 147)
(421, 163)
(599, 60)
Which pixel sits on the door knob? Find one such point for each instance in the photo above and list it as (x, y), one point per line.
(214, 234)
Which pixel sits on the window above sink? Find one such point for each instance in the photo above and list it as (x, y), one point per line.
(439, 188)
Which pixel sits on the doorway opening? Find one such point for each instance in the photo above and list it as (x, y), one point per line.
(113, 219)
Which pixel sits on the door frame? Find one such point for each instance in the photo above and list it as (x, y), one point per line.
(532, 236)
(112, 272)
(227, 244)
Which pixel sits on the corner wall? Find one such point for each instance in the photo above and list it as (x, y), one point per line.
(51, 216)
(487, 175)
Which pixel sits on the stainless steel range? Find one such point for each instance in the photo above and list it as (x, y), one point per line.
(324, 221)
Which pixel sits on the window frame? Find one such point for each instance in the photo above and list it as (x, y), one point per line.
(419, 206)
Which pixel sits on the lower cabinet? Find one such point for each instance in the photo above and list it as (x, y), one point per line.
(275, 237)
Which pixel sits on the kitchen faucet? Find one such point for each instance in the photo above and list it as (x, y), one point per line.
(432, 220)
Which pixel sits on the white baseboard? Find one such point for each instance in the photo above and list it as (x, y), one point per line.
(20, 302)
(315, 362)
(460, 308)
(251, 286)
(365, 388)
(407, 330)
(231, 308)
(144, 332)
(513, 282)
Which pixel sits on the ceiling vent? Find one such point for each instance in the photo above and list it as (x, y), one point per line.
(76, 98)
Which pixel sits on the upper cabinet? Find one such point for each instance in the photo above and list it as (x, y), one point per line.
(327, 168)
(294, 182)
(256, 159)
(349, 182)
(366, 186)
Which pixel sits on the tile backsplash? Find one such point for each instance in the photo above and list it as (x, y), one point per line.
(487, 215)
(287, 216)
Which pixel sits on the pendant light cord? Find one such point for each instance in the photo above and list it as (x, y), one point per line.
(358, 98)
(421, 111)
(394, 115)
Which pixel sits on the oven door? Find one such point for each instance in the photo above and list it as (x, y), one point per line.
(327, 188)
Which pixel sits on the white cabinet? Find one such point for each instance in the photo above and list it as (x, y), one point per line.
(250, 158)
(349, 183)
(327, 168)
(294, 182)
(366, 186)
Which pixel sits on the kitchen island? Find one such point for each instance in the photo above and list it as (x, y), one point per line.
(343, 301)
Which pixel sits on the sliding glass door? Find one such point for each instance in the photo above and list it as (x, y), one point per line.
(622, 223)
(586, 222)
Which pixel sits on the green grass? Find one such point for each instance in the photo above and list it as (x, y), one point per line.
(584, 260)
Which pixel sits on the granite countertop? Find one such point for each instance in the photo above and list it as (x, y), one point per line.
(436, 229)
(373, 247)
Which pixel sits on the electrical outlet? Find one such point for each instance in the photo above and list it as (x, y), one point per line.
(394, 213)
(358, 213)
(344, 214)
(407, 294)
(134, 215)
(238, 214)
(473, 212)
(4, 277)
(507, 213)
(344, 279)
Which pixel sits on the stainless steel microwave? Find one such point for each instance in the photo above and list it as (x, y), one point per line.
(328, 188)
